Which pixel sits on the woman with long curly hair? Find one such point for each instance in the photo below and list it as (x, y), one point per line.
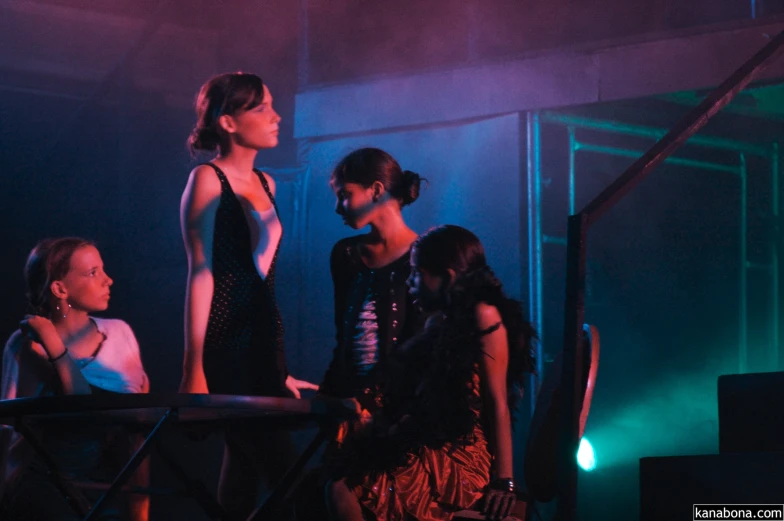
(442, 440)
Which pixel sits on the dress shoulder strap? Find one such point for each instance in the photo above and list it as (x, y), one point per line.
(265, 184)
(221, 176)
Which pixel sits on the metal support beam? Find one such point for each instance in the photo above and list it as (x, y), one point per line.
(576, 259)
(743, 314)
(574, 315)
(535, 244)
(683, 130)
(652, 132)
(774, 258)
(625, 152)
(141, 453)
(573, 147)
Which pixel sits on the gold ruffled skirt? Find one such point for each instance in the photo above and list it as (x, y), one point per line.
(432, 486)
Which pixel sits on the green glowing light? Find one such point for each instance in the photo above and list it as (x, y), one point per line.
(586, 457)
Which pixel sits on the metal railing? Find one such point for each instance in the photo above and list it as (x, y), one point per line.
(578, 225)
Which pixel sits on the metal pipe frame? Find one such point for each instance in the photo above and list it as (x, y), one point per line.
(625, 152)
(616, 127)
(141, 453)
(578, 224)
(741, 170)
(775, 293)
(535, 242)
(743, 305)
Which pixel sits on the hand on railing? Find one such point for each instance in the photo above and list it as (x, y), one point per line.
(499, 499)
(294, 386)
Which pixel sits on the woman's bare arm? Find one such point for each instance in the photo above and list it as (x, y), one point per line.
(494, 365)
(197, 219)
(48, 354)
(499, 498)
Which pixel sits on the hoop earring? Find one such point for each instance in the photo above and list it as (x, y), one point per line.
(65, 315)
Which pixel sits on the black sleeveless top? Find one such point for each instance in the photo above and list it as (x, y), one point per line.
(398, 318)
(243, 346)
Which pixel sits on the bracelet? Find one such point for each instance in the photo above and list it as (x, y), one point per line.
(58, 357)
(504, 484)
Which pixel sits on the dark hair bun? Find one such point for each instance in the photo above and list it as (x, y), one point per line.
(203, 139)
(411, 183)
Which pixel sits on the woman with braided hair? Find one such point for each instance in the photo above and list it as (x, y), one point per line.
(442, 441)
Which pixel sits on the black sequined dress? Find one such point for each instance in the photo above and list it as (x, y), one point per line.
(243, 346)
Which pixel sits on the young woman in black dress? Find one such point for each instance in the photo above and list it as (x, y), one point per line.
(232, 233)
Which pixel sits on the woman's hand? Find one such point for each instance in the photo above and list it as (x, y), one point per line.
(42, 331)
(46, 342)
(295, 386)
(499, 499)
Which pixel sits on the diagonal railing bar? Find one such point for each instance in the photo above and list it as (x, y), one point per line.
(684, 129)
(578, 224)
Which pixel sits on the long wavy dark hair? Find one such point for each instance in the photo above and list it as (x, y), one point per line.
(451, 247)
(428, 395)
